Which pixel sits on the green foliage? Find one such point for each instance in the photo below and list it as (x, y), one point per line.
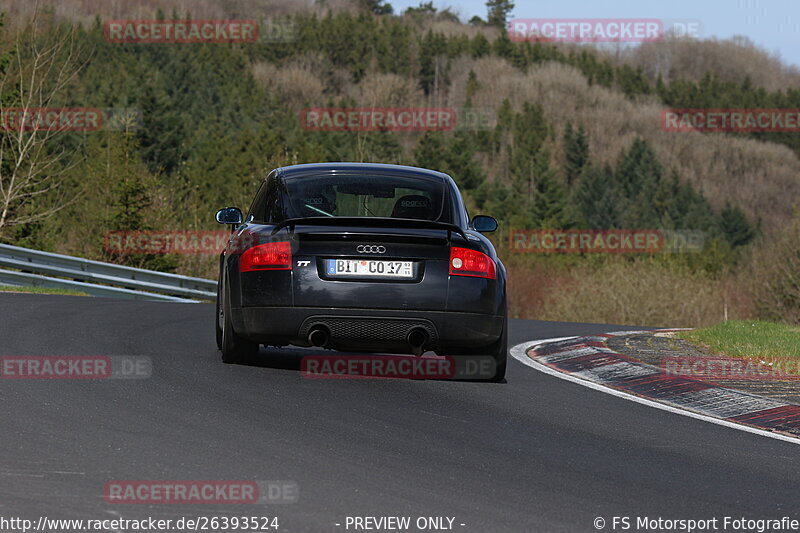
(479, 46)
(735, 227)
(530, 130)
(750, 339)
(637, 195)
(419, 12)
(461, 163)
(429, 152)
(713, 92)
(494, 197)
(498, 11)
(576, 150)
(540, 198)
(456, 157)
(649, 200)
(549, 207)
(432, 47)
(381, 147)
(210, 131)
(376, 7)
(512, 52)
(473, 85)
(774, 274)
(477, 21)
(632, 82)
(393, 49)
(596, 198)
(5, 55)
(161, 132)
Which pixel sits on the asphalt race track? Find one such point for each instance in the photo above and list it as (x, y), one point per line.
(533, 454)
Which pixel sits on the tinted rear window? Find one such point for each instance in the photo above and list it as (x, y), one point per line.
(366, 196)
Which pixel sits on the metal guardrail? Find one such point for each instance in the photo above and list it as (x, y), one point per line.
(98, 278)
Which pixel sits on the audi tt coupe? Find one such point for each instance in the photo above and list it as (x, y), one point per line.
(363, 258)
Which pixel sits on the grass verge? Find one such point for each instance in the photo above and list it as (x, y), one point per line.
(40, 290)
(767, 341)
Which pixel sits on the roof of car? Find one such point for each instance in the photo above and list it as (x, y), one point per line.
(333, 168)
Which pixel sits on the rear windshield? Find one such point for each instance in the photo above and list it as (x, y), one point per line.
(366, 196)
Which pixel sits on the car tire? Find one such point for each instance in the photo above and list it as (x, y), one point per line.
(498, 351)
(235, 348)
(218, 315)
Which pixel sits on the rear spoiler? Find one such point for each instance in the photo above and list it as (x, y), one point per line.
(369, 222)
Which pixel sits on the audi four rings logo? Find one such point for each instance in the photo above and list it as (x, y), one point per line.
(370, 249)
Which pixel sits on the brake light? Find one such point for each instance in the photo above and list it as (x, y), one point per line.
(466, 262)
(270, 256)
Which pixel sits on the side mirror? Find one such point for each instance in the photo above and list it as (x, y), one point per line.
(229, 215)
(484, 224)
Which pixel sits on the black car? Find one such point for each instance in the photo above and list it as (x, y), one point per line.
(365, 258)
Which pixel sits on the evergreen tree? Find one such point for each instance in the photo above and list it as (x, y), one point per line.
(460, 161)
(494, 197)
(5, 55)
(393, 49)
(380, 147)
(540, 199)
(161, 131)
(682, 207)
(498, 12)
(697, 213)
(505, 118)
(576, 152)
(505, 48)
(550, 208)
(429, 152)
(596, 199)
(637, 168)
(472, 87)
(639, 175)
(632, 81)
(432, 46)
(530, 129)
(376, 7)
(736, 230)
(479, 46)
(477, 21)
(132, 189)
(424, 11)
(456, 157)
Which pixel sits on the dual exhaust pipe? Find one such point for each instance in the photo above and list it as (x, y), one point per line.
(417, 338)
(318, 336)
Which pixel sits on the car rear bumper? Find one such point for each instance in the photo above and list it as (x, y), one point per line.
(367, 329)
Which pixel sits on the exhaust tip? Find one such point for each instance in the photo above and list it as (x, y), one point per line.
(318, 336)
(417, 338)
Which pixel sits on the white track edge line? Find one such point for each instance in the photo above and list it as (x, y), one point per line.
(519, 352)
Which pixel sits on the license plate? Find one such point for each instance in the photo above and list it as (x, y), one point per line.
(369, 268)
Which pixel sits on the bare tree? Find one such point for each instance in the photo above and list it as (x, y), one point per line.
(32, 167)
